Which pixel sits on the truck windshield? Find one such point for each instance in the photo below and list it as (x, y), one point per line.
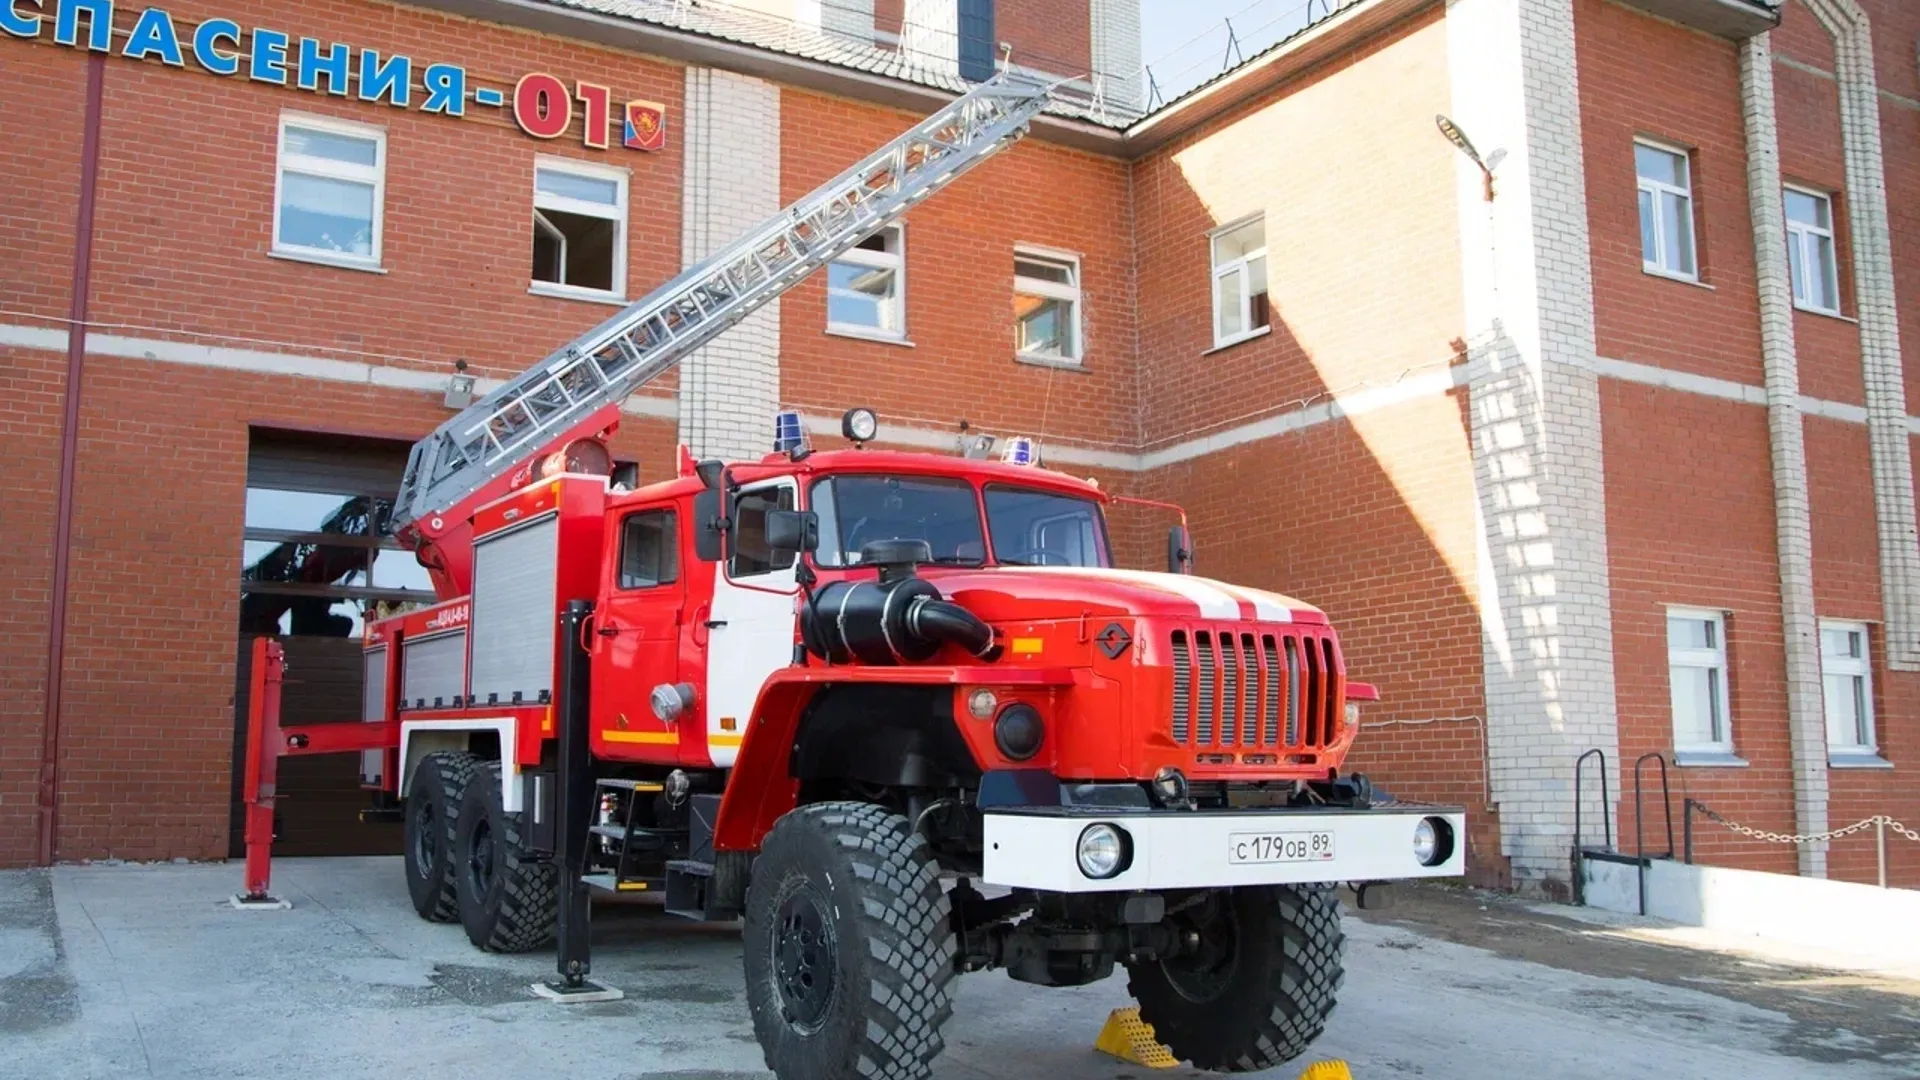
(857, 510)
(1032, 528)
(1041, 528)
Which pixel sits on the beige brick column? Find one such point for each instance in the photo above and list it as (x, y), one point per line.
(1546, 620)
(1793, 522)
(1866, 201)
(730, 390)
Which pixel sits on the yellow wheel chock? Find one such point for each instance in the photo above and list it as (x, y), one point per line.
(1131, 1039)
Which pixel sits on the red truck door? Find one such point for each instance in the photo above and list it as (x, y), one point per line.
(636, 634)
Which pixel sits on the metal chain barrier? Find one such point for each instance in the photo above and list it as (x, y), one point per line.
(1807, 838)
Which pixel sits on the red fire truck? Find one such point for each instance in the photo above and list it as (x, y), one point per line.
(898, 712)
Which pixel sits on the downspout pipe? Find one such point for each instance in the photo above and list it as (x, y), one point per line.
(69, 461)
(1786, 440)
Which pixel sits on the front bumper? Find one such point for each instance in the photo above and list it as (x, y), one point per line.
(1035, 847)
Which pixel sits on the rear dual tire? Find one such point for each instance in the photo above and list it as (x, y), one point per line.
(508, 900)
(433, 806)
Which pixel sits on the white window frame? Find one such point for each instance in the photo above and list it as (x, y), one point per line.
(1053, 290)
(1801, 236)
(1711, 753)
(1240, 266)
(544, 201)
(375, 174)
(895, 260)
(1854, 754)
(1658, 266)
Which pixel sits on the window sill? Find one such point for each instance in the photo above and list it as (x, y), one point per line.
(568, 292)
(321, 258)
(1825, 314)
(861, 333)
(1707, 759)
(1859, 759)
(1055, 363)
(1242, 339)
(1668, 275)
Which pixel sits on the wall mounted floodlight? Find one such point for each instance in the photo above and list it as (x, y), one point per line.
(459, 387)
(1465, 145)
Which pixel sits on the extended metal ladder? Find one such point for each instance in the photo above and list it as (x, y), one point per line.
(599, 369)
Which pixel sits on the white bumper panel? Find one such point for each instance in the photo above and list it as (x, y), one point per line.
(1035, 848)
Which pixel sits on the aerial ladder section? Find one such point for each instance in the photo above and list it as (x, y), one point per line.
(576, 392)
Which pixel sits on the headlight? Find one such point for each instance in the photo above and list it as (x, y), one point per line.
(981, 703)
(1353, 713)
(1104, 850)
(1432, 841)
(1018, 732)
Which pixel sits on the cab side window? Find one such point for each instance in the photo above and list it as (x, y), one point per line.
(649, 549)
(751, 554)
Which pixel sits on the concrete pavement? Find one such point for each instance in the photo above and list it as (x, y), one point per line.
(144, 971)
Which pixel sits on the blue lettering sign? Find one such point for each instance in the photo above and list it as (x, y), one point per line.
(446, 89)
(269, 57)
(392, 79)
(487, 95)
(17, 24)
(152, 35)
(66, 23)
(210, 33)
(334, 67)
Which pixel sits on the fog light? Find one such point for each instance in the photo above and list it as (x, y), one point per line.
(1170, 784)
(981, 703)
(1018, 733)
(676, 786)
(1104, 851)
(1432, 841)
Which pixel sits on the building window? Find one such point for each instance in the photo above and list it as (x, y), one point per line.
(1816, 279)
(1697, 672)
(1046, 306)
(328, 192)
(1847, 685)
(579, 229)
(320, 563)
(1239, 281)
(1666, 210)
(649, 550)
(866, 287)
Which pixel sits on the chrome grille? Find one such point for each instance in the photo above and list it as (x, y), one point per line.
(1248, 688)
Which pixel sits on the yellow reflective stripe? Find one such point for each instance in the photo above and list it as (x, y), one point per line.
(651, 738)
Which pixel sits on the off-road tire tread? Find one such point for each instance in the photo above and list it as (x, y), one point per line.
(530, 894)
(908, 923)
(454, 769)
(1302, 987)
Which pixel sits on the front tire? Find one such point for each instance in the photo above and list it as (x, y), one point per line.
(848, 946)
(433, 806)
(508, 901)
(1258, 990)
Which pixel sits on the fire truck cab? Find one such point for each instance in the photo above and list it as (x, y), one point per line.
(902, 714)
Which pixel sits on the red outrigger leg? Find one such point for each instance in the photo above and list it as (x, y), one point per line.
(263, 768)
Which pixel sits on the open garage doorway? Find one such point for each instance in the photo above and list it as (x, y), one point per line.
(318, 561)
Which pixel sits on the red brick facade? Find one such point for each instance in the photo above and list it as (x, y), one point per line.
(1370, 512)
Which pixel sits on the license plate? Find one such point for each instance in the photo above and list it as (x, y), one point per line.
(1250, 848)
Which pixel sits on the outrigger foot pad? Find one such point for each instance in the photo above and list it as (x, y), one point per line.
(263, 902)
(585, 992)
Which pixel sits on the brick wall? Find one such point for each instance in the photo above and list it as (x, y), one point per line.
(1051, 35)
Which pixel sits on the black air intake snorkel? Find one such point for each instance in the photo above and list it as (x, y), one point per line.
(901, 618)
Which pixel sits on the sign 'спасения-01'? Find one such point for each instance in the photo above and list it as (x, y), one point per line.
(541, 104)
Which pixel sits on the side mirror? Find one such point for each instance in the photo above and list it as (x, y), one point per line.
(709, 525)
(1179, 551)
(792, 531)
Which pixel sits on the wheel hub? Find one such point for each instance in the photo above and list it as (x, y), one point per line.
(480, 858)
(1205, 970)
(804, 960)
(426, 845)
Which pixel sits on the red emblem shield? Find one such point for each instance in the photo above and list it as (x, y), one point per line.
(646, 126)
